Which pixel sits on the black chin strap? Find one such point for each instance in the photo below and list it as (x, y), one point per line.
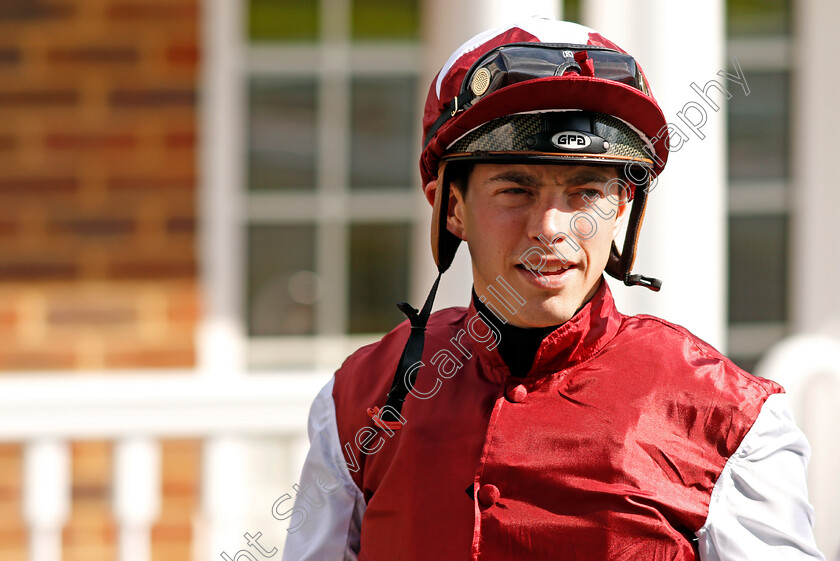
(405, 375)
(619, 265)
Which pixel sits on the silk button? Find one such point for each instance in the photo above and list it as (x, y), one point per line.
(516, 393)
(488, 494)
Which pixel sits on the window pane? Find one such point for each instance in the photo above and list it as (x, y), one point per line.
(745, 363)
(383, 118)
(273, 20)
(753, 17)
(572, 11)
(758, 128)
(386, 19)
(282, 287)
(282, 131)
(379, 261)
(758, 268)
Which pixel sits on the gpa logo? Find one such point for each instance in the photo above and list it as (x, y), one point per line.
(571, 140)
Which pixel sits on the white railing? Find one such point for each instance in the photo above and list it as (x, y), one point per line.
(808, 366)
(46, 412)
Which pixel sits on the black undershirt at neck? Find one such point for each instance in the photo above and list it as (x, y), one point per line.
(518, 345)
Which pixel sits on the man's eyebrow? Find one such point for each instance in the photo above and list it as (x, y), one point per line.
(529, 180)
(512, 176)
(586, 177)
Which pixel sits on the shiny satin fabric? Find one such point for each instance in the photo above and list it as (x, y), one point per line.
(608, 450)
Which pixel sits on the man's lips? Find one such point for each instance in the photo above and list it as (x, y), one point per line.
(549, 268)
(553, 276)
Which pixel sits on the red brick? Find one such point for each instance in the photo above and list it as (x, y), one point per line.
(8, 318)
(152, 99)
(11, 451)
(93, 227)
(179, 489)
(181, 225)
(38, 98)
(13, 534)
(9, 55)
(90, 536)
(187, 55)
(92, 461)
(90, 141)
(179, 140)
(181, 474)
(172, 532)
(164, 551)
(91, 315)
(43, 271)
(42, 359)
(139, 183)
(152, 358)
(93, 54)
(39, 186)
(33, 10)
(181, 463)
(153, 10)
(183, 311)
(8, 228)
(107, 59)
(91, 492)
(149, 270)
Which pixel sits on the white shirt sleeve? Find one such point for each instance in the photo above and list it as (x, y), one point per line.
(759, 507)
(327, 515)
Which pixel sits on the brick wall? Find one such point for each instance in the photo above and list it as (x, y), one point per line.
(97, 226)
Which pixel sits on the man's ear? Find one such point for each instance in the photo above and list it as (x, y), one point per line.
(454, 211)
(455, 214)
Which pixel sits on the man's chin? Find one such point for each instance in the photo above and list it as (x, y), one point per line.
(544, 314)
(544, 307)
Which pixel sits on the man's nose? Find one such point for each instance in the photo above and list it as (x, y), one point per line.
(549, 224)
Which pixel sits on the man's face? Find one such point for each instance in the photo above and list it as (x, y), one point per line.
(513, 212)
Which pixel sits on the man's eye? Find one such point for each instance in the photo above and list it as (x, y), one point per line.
(514, 191)
(590, 193)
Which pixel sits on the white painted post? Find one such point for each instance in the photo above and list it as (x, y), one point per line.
(815, 232)
(683, 239)
(294, 448)
(808, 366)
(46, 497)
(137, 491)
(221, 333)
(221, 522)
(333, 163)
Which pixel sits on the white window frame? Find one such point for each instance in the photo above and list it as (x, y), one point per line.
(332, 206)
(758, 198)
